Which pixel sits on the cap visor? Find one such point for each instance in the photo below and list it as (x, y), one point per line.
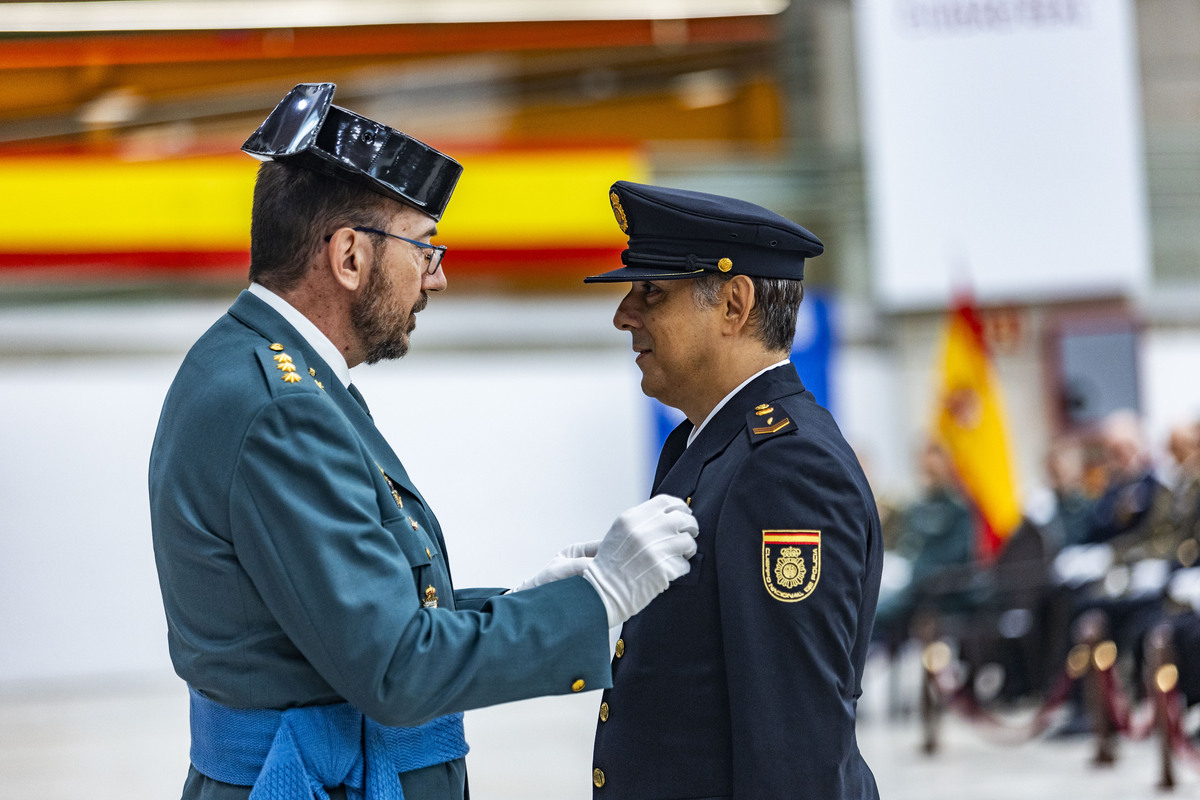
(641, 274)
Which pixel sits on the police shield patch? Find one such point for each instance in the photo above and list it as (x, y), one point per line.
(791, 563)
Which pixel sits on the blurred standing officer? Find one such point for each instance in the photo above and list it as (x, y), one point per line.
(305, 580)
(938, 542)
(742, 680)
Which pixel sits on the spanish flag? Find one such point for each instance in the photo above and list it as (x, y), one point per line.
(970, 424)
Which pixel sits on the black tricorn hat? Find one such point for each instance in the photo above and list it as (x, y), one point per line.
(308, 130)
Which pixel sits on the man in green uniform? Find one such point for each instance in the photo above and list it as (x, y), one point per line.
(306, 582)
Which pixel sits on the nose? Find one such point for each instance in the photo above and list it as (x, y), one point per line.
(625, 319)
(435, 282)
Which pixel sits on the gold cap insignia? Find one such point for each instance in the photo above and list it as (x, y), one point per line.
(724, 265)
(619, 212)
(277, 347)
(791, 562)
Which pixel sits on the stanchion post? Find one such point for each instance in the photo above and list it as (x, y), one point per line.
(1164, 677)
(1089, 661)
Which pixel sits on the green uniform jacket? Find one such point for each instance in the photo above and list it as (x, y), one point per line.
(299, 565)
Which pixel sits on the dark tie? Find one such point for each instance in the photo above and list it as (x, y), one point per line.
(357, 395)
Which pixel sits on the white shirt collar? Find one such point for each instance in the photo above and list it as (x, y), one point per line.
(304, 326)
(696, 431)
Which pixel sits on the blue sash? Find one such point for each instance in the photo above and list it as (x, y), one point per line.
(293, 754)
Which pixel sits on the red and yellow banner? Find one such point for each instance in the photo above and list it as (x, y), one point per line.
(512, 211)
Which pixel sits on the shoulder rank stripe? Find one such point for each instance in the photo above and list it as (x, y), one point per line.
(778, 426)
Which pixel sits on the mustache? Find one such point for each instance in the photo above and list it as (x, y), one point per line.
(421, 303)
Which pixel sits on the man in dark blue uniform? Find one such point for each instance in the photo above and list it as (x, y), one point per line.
(305, 580)
(742, 679)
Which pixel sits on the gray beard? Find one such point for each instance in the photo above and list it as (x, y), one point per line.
(384, 337)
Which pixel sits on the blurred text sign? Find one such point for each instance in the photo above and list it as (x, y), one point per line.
(1003, 149)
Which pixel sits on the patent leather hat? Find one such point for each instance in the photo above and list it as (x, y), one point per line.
(308, 130)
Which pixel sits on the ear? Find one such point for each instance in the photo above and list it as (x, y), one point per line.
(348, 252)
(738, 303)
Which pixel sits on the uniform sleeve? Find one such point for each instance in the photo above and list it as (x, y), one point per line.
(790, 618)
(309, 532)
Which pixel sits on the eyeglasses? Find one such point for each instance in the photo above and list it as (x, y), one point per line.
(433, 252)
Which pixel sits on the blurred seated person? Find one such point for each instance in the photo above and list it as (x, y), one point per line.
(932, 564)
(1123, 565)
(1177, 532)
(1132, 491)
(1071, 513)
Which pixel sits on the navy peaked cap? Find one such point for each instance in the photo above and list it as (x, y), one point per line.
(308, 130)
(675, 233)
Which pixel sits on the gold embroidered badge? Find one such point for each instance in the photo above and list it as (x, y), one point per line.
(431, 600)
(390, 483)
(791, 562)
(619, 212)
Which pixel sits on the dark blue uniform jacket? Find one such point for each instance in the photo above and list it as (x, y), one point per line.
(741, 680)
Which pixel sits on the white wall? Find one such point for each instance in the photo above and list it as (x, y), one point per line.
(520, 451)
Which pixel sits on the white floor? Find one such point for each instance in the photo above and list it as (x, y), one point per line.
(130, 741)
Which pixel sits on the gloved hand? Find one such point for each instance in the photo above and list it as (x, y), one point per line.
(647, 547)
(572, 560)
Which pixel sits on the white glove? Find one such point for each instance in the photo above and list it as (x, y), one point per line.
(647, 547)
(572, 560)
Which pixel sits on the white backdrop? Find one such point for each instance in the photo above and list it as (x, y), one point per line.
(1003, 149)
(518, 451)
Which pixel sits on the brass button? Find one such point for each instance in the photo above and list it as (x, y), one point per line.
(578, 685)
(604, 712)
(724, 265)
(620, 647)
(277, 347)
(597, 777)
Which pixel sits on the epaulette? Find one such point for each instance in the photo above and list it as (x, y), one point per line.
(765, 422)
(284, 371)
